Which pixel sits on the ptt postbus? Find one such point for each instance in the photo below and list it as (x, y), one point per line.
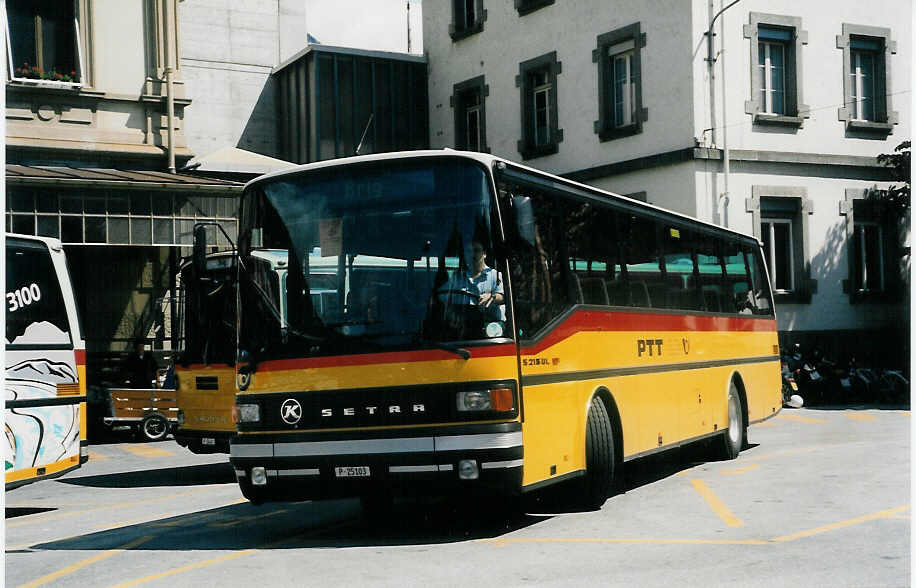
(45, 414)
(626, 330)
(204, 365)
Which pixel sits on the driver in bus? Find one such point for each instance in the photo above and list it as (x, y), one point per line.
(482, 284)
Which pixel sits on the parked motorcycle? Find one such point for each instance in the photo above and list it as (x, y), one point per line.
(790, 396)
(806, 375)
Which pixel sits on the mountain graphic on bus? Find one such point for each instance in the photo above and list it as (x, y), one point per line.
(42, 370)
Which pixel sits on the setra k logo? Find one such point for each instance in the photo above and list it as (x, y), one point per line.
(290, 411)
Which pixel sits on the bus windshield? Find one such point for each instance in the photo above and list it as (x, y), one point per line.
(377, 256)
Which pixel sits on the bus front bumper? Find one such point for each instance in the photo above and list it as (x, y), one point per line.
(287, 467)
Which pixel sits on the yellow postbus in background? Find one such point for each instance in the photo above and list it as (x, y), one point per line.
(45, 413)
(601, 330)
(204, 365)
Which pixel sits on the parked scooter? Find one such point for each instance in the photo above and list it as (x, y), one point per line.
(790, 396)
(806, 376)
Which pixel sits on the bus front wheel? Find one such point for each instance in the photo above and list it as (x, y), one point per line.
(599, 455)
(733, 438)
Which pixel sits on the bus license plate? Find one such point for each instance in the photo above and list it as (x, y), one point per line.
(208, 441)
(352, 472)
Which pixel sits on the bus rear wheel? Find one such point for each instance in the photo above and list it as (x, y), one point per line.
(733, 437)
(599, 455)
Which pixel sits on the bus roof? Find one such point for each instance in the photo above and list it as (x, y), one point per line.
(489, 161)
(52, 243)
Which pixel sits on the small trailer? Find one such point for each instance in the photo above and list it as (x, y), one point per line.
(150, 412)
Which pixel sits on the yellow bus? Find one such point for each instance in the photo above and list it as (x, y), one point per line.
(45, 413)
(205, 362)
(610, 330)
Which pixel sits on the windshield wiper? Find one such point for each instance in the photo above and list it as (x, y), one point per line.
(464, 353)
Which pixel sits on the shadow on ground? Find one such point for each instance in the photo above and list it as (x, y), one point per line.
(325, 524)
(20, 511)
(196, 475)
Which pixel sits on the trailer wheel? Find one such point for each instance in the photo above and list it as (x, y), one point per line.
(154, 427)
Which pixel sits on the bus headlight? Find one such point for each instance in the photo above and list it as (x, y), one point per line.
(495, 399)
(246, 413)
(258, 476)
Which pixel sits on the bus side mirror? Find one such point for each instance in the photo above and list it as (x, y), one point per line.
(199, 256)
(524, 218)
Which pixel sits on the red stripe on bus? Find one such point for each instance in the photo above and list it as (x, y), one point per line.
(503, 350)
(581, 321)
(615, 321)
(80, 355)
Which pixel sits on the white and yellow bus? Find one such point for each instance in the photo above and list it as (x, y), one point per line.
(624, 330)
(45, 415)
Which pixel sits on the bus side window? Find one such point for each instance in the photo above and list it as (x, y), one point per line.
(647, 288)
(760, 286)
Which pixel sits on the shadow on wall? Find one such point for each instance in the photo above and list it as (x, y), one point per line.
(260, 134)
(883, 341)
(830, 267)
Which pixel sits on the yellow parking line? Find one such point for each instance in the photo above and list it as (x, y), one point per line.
(146, 451)
(818, 530)
(97, 456)
(227, 557)
(801, 419)
(79, 565)
(861, 416)
(503, 541)
(186, 568)
(741, 470)
(717, 505)
(893, 513)
(240, 520)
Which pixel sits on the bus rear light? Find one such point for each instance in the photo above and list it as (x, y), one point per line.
(246, 413)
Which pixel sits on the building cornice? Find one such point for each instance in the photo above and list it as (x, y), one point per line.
(676, 156)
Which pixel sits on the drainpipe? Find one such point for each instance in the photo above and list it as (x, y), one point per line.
(169, 89)
(721, 203)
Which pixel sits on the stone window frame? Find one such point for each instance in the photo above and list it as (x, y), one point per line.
(479, 85)
(604, 126)
(892, 291)
(528, 6)
(885, 116)
(805, 285)
(82, 11)
(480, 14)
(796, 110)
(525, 145)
